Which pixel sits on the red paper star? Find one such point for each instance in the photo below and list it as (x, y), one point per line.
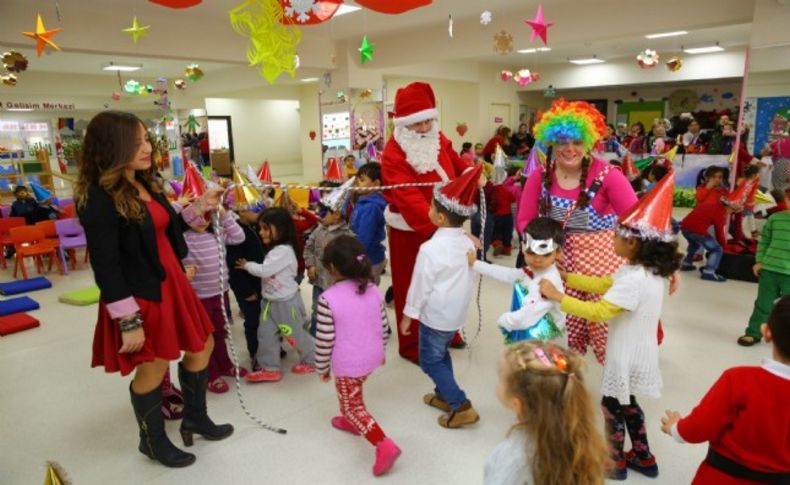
(540, 27)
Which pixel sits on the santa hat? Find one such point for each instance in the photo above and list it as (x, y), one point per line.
(458, 196)
(333, 172)
(265, 173)
(651, 216)
(413, 104)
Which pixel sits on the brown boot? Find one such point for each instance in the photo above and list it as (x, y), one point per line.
(463, 416)
(435, 401)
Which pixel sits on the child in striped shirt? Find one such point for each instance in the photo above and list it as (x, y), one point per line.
(351, 331)
(204, 256)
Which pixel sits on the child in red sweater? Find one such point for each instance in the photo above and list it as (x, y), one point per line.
(503, 218)
(745, 416)
(695, 228)
(713, 186)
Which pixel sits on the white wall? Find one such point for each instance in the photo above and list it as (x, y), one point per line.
(263, 129)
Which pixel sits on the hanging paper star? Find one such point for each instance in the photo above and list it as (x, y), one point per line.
(540, 27)
(42, 36)
(366, 50)
(137, 30)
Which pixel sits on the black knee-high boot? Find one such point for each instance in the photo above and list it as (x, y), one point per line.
(196, 420)
(615, 431)
(635, 422)
(154, 442)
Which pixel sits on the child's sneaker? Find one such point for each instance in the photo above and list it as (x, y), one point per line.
(713, 277)
(619, 472)
(436, 402)
(264, 375)
(645, 466)
(341, 423)
(218, 386)
(463, 416)
(303, 368)
(386, 454)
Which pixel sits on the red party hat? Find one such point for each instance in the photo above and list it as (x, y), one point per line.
(458, 195)
(193, 181)
(651, 216)
(265, 173)
(629, 167)
(333, 172)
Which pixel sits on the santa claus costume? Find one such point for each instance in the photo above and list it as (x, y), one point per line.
(412, 157)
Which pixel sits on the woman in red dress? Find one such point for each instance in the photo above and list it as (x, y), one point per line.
(148, 312)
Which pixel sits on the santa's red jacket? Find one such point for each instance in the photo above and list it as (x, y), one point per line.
(408, 207)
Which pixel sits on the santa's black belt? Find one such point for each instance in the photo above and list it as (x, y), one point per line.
(737, 470)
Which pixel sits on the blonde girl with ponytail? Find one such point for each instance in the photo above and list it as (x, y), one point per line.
(555, 440)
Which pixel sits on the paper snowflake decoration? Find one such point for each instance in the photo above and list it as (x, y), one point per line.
(302, 9)
(485, 17)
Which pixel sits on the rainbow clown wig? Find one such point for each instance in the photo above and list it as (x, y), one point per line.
(570, 120)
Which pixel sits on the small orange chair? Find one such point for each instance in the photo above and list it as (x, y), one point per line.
(67, 212)
(50, 232)
(6, 223)
(30, 242)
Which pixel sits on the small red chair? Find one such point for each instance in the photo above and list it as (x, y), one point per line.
(50, 232)
(30, 242)
(6, 223)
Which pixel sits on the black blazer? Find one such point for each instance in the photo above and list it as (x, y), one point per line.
(124, 254)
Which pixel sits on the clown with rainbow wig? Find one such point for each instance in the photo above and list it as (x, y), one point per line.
(585, 195)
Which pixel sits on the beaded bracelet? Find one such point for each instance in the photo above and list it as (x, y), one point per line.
(130, 323)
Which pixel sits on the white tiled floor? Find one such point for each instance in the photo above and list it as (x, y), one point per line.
(53, 406)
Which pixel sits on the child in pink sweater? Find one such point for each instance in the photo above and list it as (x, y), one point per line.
(350, 334)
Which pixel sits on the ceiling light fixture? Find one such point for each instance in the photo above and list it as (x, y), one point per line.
(344, 9)
(534, 50)
(586, 61)
(309, 79)
(122, 67)
(704, 50)
(666, 34)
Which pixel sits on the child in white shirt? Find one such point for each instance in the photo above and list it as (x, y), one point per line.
(439, 294)
(532, 317)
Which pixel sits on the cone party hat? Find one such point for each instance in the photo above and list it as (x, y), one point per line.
(458, 195)
(194, 182)
(245, 196)
(651, 216)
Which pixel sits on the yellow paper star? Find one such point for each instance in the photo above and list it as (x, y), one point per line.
(42, 36)
(136, 30)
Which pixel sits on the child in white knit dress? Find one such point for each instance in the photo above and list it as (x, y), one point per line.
(631, 302)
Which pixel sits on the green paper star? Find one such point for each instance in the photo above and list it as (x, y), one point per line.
(136, 30)
(366, 50)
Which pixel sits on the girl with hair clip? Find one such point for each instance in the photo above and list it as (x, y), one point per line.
(555, 440)
(585, 195)
(631, 301)
(148, 313)
(350, 335)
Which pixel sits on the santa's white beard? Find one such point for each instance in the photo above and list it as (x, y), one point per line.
(422, 149)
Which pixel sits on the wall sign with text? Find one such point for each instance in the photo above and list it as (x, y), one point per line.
(36, 106)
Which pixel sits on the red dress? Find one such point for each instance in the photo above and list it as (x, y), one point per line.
(177, 323)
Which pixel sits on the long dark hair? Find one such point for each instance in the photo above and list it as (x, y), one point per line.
(280, 219)
(348, 257)
(110, 145)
